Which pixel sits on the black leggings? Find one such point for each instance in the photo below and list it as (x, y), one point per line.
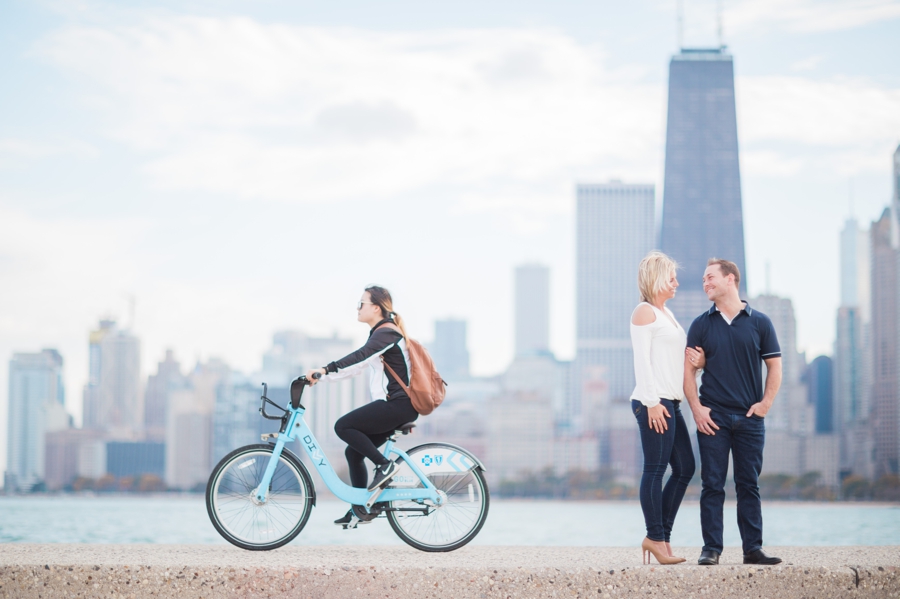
(366, 428)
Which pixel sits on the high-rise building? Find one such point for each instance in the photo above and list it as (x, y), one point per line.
(450, 350)
(112, 396)
(702, 213)
(895, 204)
(292, 354)
(35, 391)
(615, 231)
(790, 412)
(135, 459)
(819, 387)
(885, 418)
(532, 293)
(852, 353)
(189, 427)
(236, 418)
(520, 436)
(168, 377)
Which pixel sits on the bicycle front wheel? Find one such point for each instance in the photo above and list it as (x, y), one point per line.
(243, 520)
(457, 520)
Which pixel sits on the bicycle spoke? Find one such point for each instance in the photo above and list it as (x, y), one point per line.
(245, 520)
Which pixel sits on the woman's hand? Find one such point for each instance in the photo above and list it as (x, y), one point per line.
(309, 375)
(697, 357)
(657, 418)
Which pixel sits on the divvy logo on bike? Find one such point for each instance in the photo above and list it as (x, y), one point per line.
(428, 459)
(314, 451)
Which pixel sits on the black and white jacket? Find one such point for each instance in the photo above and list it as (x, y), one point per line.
(384, 343)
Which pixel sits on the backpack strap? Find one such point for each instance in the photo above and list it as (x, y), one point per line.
(390, 325)
(390, 370)
(396, 378)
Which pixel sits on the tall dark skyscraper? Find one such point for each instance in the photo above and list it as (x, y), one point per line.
(702, 216)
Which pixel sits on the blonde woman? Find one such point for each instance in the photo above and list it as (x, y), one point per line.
(659, 348)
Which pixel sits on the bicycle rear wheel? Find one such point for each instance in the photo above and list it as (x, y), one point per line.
(457, 520)
(236, 513)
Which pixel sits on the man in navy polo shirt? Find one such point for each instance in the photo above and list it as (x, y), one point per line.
(731, 407)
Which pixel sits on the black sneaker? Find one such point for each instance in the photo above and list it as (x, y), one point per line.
(345, 519)
(383, 475)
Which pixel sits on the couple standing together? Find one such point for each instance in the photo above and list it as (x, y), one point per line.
(728, 344)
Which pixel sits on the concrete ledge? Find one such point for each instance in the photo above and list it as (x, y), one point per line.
(215, 571)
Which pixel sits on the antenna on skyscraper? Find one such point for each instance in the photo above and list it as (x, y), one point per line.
(679, 8)
(768, 278)
(719, 21)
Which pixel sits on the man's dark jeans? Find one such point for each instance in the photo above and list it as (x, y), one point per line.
(744, 438)
(672, 447)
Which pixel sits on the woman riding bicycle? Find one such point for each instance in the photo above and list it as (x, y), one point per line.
(368, 427)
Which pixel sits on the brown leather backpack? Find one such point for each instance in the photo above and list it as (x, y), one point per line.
(426, 387)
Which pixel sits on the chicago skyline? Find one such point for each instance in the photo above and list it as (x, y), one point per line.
(200, 242)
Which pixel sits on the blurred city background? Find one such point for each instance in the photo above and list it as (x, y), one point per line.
(193, 198)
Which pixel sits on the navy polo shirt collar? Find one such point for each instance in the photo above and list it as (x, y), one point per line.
(713, 309)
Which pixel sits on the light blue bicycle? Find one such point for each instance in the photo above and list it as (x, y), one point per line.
(259, 497)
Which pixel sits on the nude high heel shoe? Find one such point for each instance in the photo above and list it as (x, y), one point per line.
(649, 547)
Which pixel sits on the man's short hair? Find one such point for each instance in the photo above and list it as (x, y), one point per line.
(727, 267)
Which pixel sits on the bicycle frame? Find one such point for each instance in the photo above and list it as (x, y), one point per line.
(295, 428)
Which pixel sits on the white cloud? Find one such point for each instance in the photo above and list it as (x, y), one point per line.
(810, 63)
(837, 113)
(769, 163)
(808, 16)
(14, 151)
(315, 114)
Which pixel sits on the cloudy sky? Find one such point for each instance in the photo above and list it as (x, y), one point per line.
(240, 167)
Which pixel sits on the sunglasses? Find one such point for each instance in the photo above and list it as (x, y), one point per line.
(360, 305)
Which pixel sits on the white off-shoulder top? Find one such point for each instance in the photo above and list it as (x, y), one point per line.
(658, 358)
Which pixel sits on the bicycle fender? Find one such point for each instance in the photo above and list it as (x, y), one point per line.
(435, 458)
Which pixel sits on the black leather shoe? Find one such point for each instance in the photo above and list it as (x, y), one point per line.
(759, 557)
(709, 558)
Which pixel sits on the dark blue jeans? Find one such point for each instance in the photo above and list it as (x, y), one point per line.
(671, 448)
(744, 439)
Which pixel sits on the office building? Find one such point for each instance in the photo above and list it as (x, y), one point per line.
(532, 309)
(133, 459)
(189, 427)
(819, 386)
(885, 337)
(72, 453)
(790, 412)
(520, 436)
(852, 362)
(168, 378)
(36, 395)
(450, 349)
(702, 212)
(614, 232)
(236, 418)
(112, 397)
(292, 354)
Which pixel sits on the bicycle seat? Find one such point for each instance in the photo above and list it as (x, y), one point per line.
(406, 428)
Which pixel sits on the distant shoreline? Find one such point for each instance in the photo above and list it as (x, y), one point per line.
(328, 497)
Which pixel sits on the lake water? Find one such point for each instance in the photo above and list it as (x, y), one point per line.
(183, 519)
